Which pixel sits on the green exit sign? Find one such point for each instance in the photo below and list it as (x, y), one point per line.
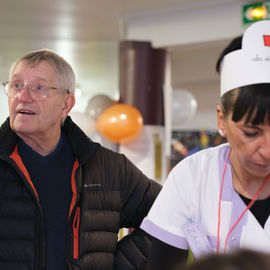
(256, 12)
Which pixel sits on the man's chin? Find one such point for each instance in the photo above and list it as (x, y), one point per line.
(23, 129)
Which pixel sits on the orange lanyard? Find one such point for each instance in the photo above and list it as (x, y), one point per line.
(219, 205)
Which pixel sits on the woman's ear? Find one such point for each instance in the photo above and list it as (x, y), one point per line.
(221, 121)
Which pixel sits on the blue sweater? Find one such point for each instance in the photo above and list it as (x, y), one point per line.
(51, 177)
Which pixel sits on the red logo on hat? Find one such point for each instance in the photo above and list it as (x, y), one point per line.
(266, 39)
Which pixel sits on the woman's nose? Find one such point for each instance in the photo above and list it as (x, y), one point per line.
(265, 147)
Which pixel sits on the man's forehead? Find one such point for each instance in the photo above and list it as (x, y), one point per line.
(18, 76)
(42, 70)
(33, 64)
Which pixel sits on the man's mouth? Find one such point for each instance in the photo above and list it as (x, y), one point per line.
(26, 112)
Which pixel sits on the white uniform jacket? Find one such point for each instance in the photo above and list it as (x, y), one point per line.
(191, 196)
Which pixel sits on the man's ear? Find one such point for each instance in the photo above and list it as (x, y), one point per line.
(221, 121)
(68, 105)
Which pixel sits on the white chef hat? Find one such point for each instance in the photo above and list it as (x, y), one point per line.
(251, 64)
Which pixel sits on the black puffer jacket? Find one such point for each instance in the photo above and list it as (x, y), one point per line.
(109, 193)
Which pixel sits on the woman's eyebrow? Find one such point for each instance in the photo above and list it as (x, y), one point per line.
(252, 126)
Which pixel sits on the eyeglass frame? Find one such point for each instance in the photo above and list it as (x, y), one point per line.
(30, 90)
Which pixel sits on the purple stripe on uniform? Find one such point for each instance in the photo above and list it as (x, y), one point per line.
(238, 206)
(227, 184)
(221, 159)
(213, 240)
(230, 195)
(167, 237)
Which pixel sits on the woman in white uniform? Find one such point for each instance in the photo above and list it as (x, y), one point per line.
(218, 200)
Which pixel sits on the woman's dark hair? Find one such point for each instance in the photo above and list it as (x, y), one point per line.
(234, 45)
(251, 101)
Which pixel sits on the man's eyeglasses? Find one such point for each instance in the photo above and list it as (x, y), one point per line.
(37, 91)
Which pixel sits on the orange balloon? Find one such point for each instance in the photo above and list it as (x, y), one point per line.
(120, 123)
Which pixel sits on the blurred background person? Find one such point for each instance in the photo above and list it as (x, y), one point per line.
(242, 259)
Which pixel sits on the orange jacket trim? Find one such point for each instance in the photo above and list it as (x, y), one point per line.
(17, 159)
(73, 186)
(76, 221)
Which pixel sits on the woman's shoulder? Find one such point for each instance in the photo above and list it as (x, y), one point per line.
(203, 158)
(209, 153)
(199, 168)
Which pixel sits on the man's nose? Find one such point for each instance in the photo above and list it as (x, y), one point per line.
(25, 94)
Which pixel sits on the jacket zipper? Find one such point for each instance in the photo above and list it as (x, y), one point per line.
(75, 226)
(76, 219)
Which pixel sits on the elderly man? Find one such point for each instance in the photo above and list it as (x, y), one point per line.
(63, 198)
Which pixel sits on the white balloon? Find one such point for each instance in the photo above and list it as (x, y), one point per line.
(97, 104)
(84, 121)
(184, 106)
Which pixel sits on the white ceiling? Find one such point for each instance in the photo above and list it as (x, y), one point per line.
(31, 24)
(87, 32)
(79, 20)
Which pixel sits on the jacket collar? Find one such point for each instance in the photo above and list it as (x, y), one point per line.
(82, 146)
(8, 138)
